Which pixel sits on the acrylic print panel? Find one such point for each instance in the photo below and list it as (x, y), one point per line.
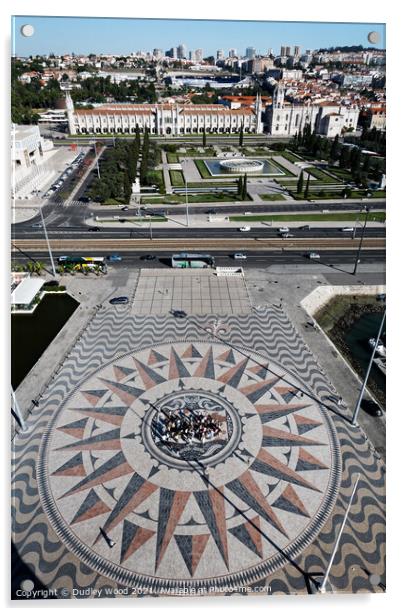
(198, 263)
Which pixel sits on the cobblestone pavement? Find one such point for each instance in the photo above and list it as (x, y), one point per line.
(101, 502)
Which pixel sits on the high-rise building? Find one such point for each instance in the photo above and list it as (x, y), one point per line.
(157, 53)
(288, 50)
(232, 53)
(297, 51)
(270, 52)
(181, 52)
(198, 55)
(220, 55)
(250, 53)
(283, 51)
(172, 53)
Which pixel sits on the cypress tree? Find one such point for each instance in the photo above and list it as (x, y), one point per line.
(334, 148)
(239, 186)
(241, 135)
(244, 188)
(300, 184)
(307, 187)
(204, 138)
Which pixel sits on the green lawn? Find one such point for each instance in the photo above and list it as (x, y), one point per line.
(272, 197)
(338, 194)
(337, 216)
(133, 219)
(204, 198)
(319, 174)
(172, 157)
(202, 168)
(291, 157)
(177, 178)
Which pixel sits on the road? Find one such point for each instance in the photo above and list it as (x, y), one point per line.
(256, 258)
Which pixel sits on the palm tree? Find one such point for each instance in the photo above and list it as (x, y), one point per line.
(38, 267)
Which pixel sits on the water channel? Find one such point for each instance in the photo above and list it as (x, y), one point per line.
(32, 333)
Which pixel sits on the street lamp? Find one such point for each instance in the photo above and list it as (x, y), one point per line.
(361, 241)
(47, 241)
(97, 162)
(187, 218)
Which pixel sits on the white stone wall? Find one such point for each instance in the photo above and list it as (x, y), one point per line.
(322, 295)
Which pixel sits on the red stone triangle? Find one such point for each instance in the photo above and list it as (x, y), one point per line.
(280, 470)
(281, 435)
(179, 502)
(305, 456)
(93, 397)
(233, 375)
(199, 545)
(130, 504)
(254, 490)
(140, 536)
(255, 534)
(76, 429)
(206, 367)
(218, 507)
(290, 495)
(191, 352)
(90, 508)
(285, 390)
(306, 421)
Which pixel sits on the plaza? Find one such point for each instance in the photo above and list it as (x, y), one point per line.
(104, 502)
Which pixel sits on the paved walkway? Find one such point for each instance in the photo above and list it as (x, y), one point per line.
(257, 506)
(166, 175)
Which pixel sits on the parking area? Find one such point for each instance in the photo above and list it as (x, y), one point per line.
(194, 291)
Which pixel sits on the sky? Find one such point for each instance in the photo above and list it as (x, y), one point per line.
(122, 36)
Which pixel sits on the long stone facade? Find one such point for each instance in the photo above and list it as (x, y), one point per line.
(163, 119)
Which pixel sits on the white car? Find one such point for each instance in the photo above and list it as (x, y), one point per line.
(283, 229)
(245, 229)
(313, 255)
(239, 255)
(347, 229)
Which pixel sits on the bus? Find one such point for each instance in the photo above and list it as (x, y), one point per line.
(83, 263)
(186, 259)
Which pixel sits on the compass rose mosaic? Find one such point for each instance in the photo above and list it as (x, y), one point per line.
(144, 508)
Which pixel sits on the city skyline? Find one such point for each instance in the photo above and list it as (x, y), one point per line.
(84, 35)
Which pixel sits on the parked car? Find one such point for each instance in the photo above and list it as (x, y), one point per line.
(245, 228)
(283, 229)
(285, 236)
(380, 297)
(37, 225)
(347, 229)
(147, 257)
(94, 229)
(124, 209)
(114, 258)
(119, 300)
(371, 408)
(179, 314)
(239, 255)
(305, 227)
(313, 255)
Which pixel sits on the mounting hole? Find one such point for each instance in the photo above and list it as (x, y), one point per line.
(27, 30)
(373, 37)
(27, 585)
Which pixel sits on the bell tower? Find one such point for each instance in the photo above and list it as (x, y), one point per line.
(70, 113)
(278, 98)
